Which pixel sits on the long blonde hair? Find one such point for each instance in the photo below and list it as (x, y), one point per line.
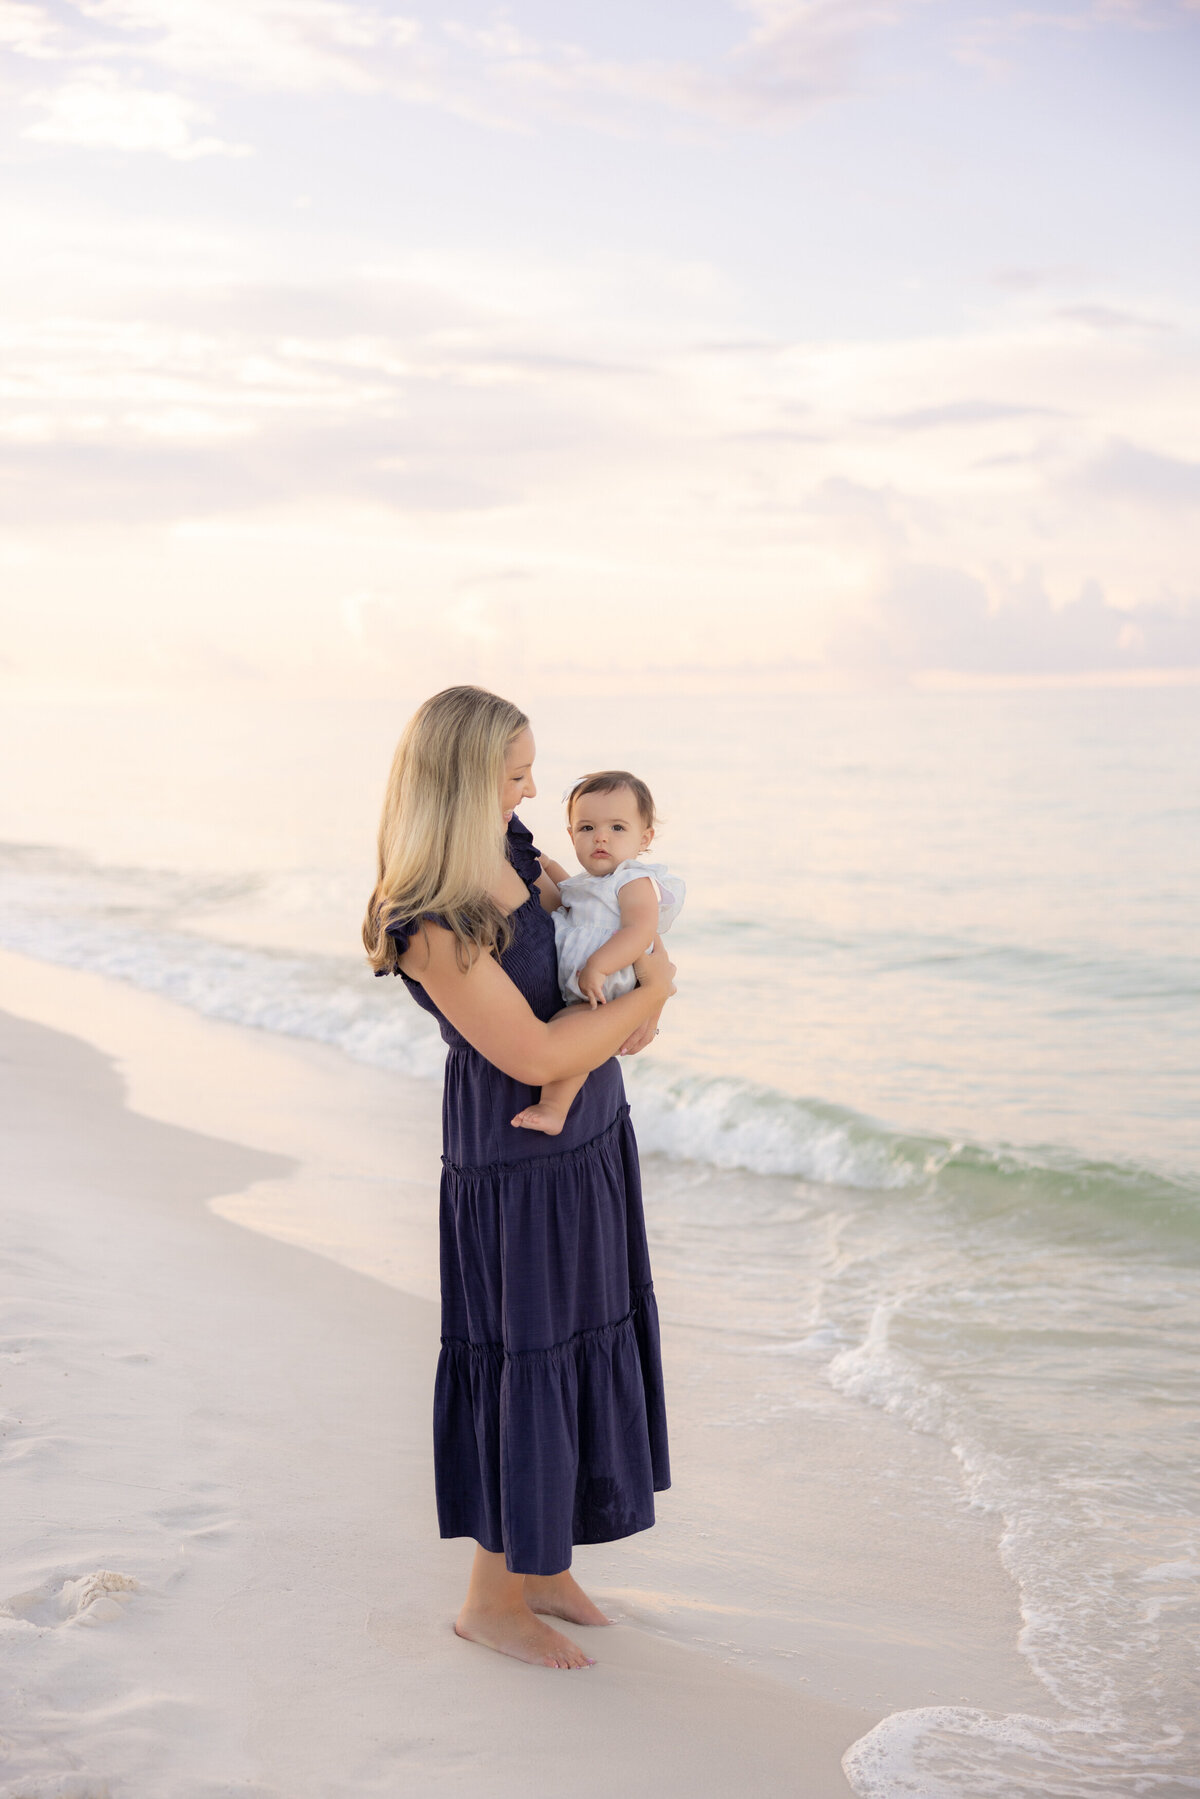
(441, 835)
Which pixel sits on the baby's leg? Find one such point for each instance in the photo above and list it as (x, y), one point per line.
(550, 1113)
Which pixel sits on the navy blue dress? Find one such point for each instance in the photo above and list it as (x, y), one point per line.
(549, 1423)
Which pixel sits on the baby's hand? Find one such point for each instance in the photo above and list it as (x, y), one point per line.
(591, 985)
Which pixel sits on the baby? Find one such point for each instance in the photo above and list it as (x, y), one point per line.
(608, 915)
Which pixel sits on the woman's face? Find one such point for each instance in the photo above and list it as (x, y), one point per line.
(517, 782)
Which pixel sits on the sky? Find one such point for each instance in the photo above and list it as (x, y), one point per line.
(762, 343)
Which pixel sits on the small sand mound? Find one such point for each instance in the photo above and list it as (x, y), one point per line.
(88, 1599)
(57, 1786)
(93, 1598)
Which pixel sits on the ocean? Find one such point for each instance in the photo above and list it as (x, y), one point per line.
(922, 1130)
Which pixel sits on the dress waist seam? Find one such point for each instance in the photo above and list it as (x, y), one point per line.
(498, 1352)
(562, 1159)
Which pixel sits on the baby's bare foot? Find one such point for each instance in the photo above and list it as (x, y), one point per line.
(562, 1597)
(540, 1118)
(516, 1632)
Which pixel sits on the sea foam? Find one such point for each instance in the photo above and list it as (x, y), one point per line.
(109, 921)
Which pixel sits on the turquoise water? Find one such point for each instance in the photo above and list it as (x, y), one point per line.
(929, 1095)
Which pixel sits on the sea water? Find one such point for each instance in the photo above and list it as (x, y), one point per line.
(926, 1104)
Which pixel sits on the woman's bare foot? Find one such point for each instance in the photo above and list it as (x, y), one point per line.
(541, 1118)
(562, 1597)
(513, 1630)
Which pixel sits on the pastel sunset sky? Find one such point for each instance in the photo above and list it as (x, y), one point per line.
(760, 342)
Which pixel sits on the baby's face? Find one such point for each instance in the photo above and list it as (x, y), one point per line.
(607, 829)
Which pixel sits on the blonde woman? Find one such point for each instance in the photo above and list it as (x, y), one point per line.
(549, 1425)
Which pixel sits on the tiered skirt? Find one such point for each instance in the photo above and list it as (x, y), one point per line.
(549, 1421)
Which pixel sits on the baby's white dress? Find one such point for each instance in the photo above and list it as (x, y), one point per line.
(590, 914)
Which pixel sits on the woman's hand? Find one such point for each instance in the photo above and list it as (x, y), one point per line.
(642, 1037)
(656, 972)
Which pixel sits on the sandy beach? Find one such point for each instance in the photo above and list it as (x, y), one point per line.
(222, 1569)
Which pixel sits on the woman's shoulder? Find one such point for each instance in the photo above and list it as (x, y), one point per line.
(401, 931)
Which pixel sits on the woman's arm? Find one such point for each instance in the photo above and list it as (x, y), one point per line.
(495, 1018)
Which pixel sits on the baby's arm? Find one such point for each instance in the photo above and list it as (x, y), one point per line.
(638, 901)
(549, 881)
(555, 870)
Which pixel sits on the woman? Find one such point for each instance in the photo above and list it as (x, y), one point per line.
(549, 1427)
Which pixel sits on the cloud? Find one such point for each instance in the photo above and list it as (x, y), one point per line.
(1021, 281)
(138, 483)
(963, 412)
(388, 430)
(794, 55)
(1109, 318)
(991, 40)
(285, 45)
(800, 54)
(797, 54)
(936, 618)
(1126, 472)
(98, 112)
(869, 515)
(1156, 12)
(791, 57)
(150, 422)
(994, 40)
(375, 310)
(28, 30)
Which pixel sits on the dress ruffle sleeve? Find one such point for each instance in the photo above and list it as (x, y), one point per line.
(401, 930)
(523, 853)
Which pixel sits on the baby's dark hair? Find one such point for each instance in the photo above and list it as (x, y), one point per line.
(608, 780)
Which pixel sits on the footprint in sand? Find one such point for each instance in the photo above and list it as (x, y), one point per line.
(196, 1521)
(15, 1349)
(88, 1599)
(58, 1786)
(22, 1442)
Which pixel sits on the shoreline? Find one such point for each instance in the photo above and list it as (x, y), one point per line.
(230, 1423)
(321, 1155)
